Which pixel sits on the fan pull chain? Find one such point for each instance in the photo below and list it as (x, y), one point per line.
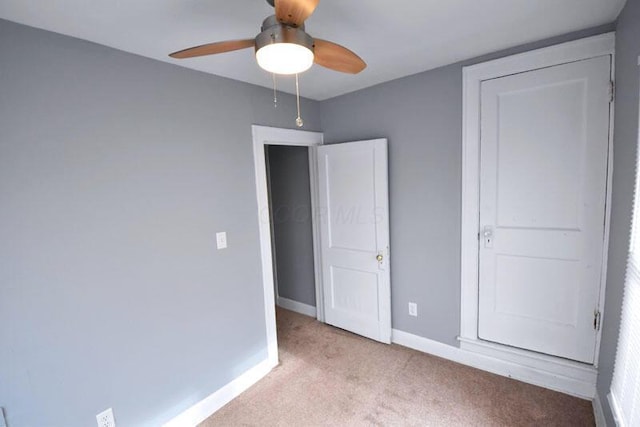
(299, 121)
(275, 93)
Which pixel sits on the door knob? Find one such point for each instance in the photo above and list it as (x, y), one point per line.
(379, 258)
(487, 233)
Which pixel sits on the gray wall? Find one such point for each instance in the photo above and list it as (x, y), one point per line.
(624, 146)
(115, 173)
(421, 115)
(293, 234)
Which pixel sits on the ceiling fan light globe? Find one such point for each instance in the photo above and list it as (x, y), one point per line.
(285, 58)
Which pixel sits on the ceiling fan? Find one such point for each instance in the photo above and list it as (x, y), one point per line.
(283, 46)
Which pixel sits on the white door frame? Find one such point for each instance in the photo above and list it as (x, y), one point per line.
(264, 135)
(473, 76)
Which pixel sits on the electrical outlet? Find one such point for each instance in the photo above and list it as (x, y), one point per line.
(413, 309)
(221, 240)
(105, 419)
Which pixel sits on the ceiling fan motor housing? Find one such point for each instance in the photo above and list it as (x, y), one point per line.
(274, 31)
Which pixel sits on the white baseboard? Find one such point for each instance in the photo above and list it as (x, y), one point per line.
(209, 405)
(615, 409)
(298, 307)
(598, 412)
(576, 387)
(426, 345)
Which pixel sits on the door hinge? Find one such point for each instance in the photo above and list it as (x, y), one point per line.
(596, 320)
(612, 91)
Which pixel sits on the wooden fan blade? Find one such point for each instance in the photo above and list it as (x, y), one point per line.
(213, 48)
(295, 11)
(336, 57)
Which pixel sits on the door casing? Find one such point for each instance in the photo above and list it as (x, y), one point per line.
(262, 136)
(591, 47)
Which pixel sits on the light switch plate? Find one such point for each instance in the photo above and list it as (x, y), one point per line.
(221, 240)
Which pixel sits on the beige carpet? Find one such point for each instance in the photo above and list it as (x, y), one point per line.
(331, 377)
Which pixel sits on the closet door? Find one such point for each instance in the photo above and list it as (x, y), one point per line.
(544, 148)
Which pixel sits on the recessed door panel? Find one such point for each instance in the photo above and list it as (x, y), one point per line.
(355, 292)
(516, 275)
(542, 126)
(351, 209)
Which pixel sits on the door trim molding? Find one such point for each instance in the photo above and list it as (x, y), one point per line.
(264, 135)
(315, 224)
(473, 76)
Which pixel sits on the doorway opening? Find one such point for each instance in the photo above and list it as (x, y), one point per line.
(347, 211)
(291, 224)
(262, 138)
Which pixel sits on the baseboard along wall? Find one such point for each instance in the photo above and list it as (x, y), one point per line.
(212, 403)
(527, 374)
(598, 412)
(209, 405)
(298, 307)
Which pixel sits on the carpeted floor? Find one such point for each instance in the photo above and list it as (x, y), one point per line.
(331, 377)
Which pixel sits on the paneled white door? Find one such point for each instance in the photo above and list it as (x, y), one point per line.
(354, 230)
(544, 148)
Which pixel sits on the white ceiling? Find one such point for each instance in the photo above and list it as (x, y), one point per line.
(396, 38)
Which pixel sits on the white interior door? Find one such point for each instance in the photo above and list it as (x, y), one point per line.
(544, 149)
(354, 230)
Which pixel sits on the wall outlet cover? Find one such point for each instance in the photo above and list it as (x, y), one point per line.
(105, 418)
(221, 240)
(413, 309)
